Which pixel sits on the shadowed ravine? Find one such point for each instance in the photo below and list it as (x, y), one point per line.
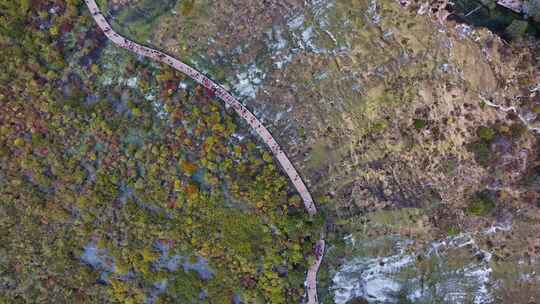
(228, 99)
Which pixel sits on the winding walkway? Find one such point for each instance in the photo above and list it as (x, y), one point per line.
(228, 99)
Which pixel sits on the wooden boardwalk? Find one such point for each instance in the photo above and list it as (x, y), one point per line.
(227, 98)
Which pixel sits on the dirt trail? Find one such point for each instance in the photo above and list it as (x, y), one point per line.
(227, 98)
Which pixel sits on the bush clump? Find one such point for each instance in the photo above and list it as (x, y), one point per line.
(419, 124)
(481, 205)
(481, 147)
(486, 133)
(481, 152)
